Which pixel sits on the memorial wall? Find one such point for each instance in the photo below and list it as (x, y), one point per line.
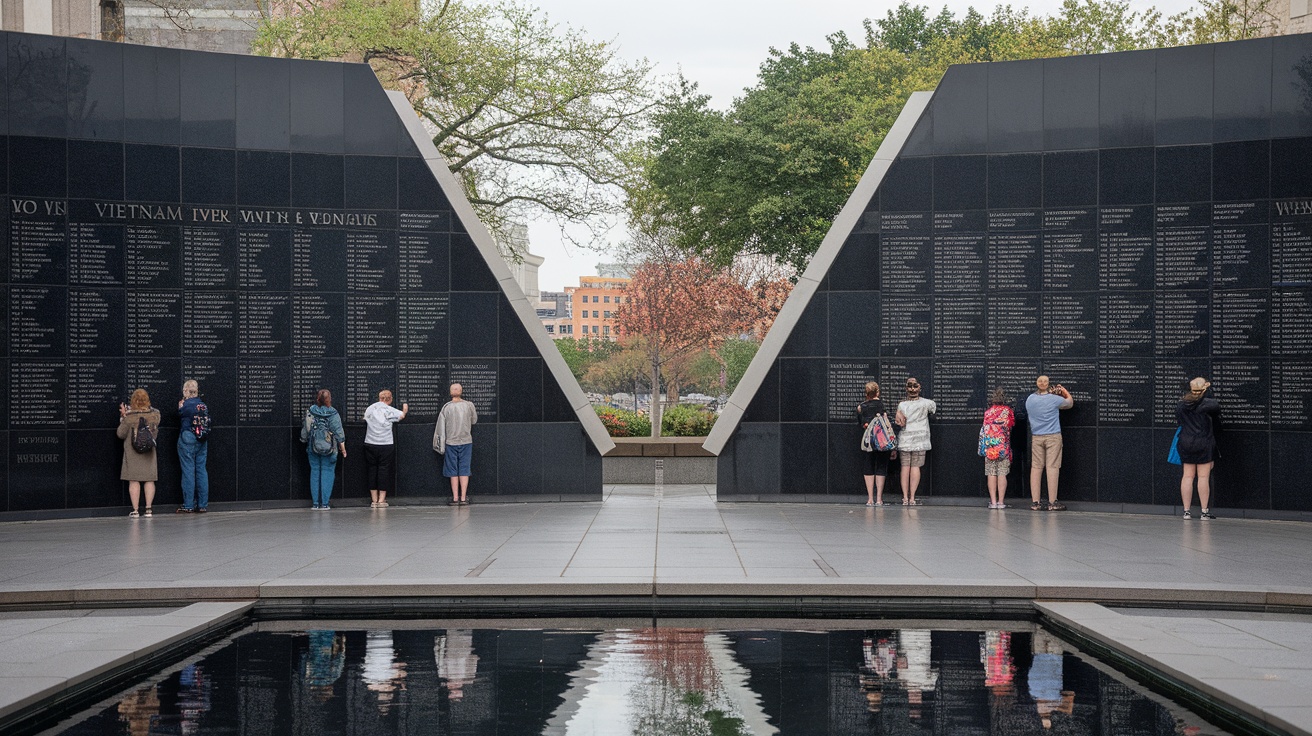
(1121, 223)
(267, 227)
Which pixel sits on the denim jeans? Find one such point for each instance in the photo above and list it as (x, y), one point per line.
(195, 479)
(322, 470)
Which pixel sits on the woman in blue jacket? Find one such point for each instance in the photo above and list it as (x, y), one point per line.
(324, 437)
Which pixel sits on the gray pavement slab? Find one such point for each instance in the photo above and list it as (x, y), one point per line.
(44, 653)
(1257, 663)
(662, 536)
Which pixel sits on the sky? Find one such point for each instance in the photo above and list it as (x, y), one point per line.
(719, 44)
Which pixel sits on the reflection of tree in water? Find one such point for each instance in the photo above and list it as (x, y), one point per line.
(682, 692)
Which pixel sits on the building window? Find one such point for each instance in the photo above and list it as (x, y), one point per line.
(551, 329)
(111, 20)
(605, 329)
(606, 299)
(594, 329)
(607, 314)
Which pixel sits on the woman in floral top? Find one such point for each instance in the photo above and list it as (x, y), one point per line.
(995, 445)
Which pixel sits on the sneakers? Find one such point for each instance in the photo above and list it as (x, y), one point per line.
(183, 510)
(134, 514)
(998, 505)
(202, 510)
(315, 507)
(1187, 515)
(1206, 515)
(1054, 506)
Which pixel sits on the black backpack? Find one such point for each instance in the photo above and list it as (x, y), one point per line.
(143, 440)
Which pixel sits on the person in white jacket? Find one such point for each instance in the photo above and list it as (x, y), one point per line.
(913, 440)
(380, 448)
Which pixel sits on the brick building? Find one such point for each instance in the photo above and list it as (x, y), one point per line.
(594, 303)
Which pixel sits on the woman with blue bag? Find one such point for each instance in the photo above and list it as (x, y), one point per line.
(1195, 441)
(877, 441)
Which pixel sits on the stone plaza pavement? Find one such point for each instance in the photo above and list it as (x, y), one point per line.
(1074, 568)
(645, 540)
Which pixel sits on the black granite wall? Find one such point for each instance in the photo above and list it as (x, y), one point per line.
(267, 227)
(1121, 222)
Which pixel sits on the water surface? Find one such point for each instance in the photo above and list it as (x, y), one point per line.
(639, 680)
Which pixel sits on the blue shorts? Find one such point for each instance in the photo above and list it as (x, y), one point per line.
(456, 460)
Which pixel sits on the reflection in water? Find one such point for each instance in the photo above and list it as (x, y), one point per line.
(456, 662)
(383, 673)
(657, 681)
(1046, 679)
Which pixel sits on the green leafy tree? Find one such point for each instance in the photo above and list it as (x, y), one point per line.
(533, 117)
(769, 175)
(1223, 20)
(581, 354)
(718, 371)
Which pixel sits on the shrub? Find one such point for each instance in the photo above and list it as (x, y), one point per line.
(687, 421)
(623, 423)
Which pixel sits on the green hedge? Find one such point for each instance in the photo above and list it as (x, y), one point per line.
(687, 421)
(623, 423)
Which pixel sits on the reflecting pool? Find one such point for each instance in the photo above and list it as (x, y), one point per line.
(681, 679)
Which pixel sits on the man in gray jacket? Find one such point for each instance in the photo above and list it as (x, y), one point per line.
(453, 438)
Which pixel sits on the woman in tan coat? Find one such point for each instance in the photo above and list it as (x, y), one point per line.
(139, 467)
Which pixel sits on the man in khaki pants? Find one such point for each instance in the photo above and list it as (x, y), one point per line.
(1044, 407)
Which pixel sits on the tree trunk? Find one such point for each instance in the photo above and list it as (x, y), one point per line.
(655, 398)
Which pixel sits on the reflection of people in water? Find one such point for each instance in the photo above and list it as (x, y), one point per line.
(140, 710)
(914, 668)
(383, 675)
(1046, 678)
(999, 668)
(456, 662)
(193, 698)
(880, 657)
(323, 662)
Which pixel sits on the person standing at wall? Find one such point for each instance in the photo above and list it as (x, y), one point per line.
(193, 450)
(379, 448)
(913, 441)
(453, 438)
(995, 445)
(324, 437)
(138, 427)
(1197, 415)
(1044, 407)
(876, 462)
